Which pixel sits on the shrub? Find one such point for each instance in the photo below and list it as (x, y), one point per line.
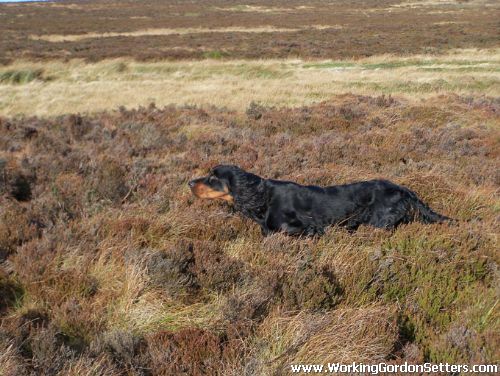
(172, 269)
(110, 181)
(186, 352)
(213, 269)
(10, 291)
(68, 190)
(16, 227)
(311, 288)
(123, 348)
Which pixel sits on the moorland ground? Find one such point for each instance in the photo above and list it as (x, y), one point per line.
(95, 30)
(109, 266)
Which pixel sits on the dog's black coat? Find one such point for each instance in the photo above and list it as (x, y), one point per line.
(307, 210)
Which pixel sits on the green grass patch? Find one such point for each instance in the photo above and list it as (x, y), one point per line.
(215, 55)
(425, 87)
(23, 76)
(466, 66)
(462, 69)
(330, 65)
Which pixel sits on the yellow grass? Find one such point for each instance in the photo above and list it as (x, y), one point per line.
(255, 8)
(77, 86)
(346, 335)
(167, 31)
(10, 363)
(434, 3)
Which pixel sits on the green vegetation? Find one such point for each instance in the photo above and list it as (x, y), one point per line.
(19, 77)
(215, 54)
(425, 64)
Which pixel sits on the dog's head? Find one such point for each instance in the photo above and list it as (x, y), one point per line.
(230, 183)
(218, 184)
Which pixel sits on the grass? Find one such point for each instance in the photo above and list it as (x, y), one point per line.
(254, 8)
(214, 54)
(86, 87)
(19, 77)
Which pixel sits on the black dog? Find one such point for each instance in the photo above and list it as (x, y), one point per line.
(307, 210)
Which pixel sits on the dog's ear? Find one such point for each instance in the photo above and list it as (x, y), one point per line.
(227, 174)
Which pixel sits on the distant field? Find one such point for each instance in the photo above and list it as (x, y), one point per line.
(341, 29)
(52, 88)
(108, 264)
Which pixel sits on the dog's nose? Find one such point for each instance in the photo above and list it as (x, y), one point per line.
(191, 184)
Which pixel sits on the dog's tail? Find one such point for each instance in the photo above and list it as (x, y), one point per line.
(426, 215)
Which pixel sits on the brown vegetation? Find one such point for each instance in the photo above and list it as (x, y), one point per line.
(110, 266)
(348, 28)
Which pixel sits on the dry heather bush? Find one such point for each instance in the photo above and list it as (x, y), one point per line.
(214, 270)
(119, 347)
(16, 226)
(186, 352)
(68, 190)
(11, 363)
(172, 269)
(112, 259)
(193, 352)
(10, 291)
(110, 182)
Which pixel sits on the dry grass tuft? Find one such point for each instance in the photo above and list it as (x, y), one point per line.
(365, 334)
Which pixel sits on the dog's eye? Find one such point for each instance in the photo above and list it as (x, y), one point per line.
(211, 179)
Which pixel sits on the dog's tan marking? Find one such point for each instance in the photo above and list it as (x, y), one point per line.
(203, 191)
